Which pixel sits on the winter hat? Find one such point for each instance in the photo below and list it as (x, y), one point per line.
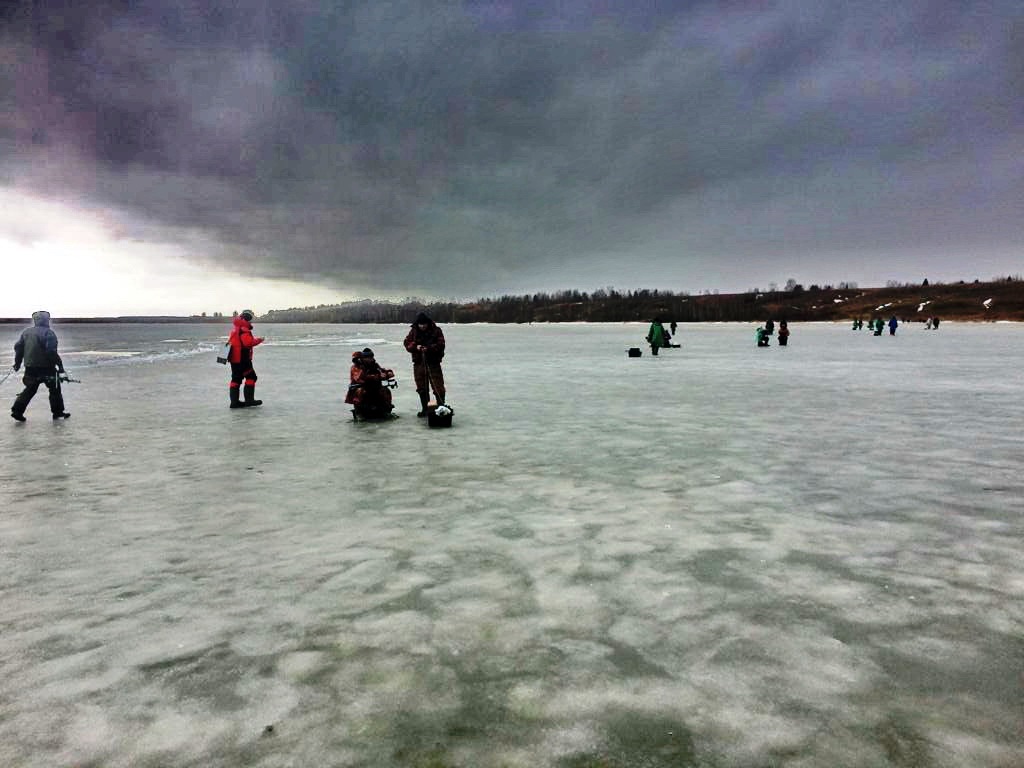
(42, 317)
(356, 355)
(422, 318)
(247, 314)
(367, 352)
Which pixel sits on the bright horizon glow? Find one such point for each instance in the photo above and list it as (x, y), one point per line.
(72, 264)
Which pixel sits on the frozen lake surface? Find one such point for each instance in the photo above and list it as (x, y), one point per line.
(722, 556)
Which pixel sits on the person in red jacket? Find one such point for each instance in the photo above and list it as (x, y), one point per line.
(425, 342)
(367, 393)
(242, 342)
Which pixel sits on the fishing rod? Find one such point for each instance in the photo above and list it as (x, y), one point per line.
(60, 377)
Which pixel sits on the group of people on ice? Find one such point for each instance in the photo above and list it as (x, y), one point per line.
(877, 325)
(764, 333)
(660, 338)
(370, 385)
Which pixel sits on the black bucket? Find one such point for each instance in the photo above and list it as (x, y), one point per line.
(634, 352)
(435, 420)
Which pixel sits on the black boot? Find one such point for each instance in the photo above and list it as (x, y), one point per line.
(61, 415)
(17, 416)
(250, 396)
(424, 399)
(233, 394)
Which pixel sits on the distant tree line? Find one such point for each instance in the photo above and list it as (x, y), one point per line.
(793, 302)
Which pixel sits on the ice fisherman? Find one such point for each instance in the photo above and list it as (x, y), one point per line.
(37, 348)
(425, 342)
(893, 324)
(657, 336)
(769, 327)
(366, 390)
(783, 333)
(242, 342)
(761, 334)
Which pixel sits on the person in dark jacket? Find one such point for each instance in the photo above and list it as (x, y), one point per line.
(37, 348)
(242, 342)
(783, 333)
(893, 325)
(425, 342)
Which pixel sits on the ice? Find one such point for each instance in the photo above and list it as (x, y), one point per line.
(722, 555)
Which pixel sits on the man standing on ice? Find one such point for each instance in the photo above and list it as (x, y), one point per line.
(37, 347)
(656, 336)
(242, 342)
(425, 342)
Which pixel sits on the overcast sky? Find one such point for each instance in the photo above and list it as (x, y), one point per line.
(180, 156)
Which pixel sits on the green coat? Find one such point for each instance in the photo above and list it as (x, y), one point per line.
(656, 335)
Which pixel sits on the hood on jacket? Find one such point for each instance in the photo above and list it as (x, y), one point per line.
(422, 318)
(42, 317)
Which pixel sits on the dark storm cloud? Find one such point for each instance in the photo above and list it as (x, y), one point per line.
(485, 146)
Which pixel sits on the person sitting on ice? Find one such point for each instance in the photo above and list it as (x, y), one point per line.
(366, 391)
(762, 336)
(783, 333)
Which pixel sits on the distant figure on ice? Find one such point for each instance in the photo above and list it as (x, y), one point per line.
(783, 333)
(877, 325)
(769, 327)
(425, 342)
(672, 327)
(893, 323)
(858, 323)
(37, 347)
(242, 342)
(935, 323)
(656, 336)
(367, 393)
(762, 336)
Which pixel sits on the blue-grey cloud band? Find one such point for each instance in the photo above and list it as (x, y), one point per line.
(462, 147)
